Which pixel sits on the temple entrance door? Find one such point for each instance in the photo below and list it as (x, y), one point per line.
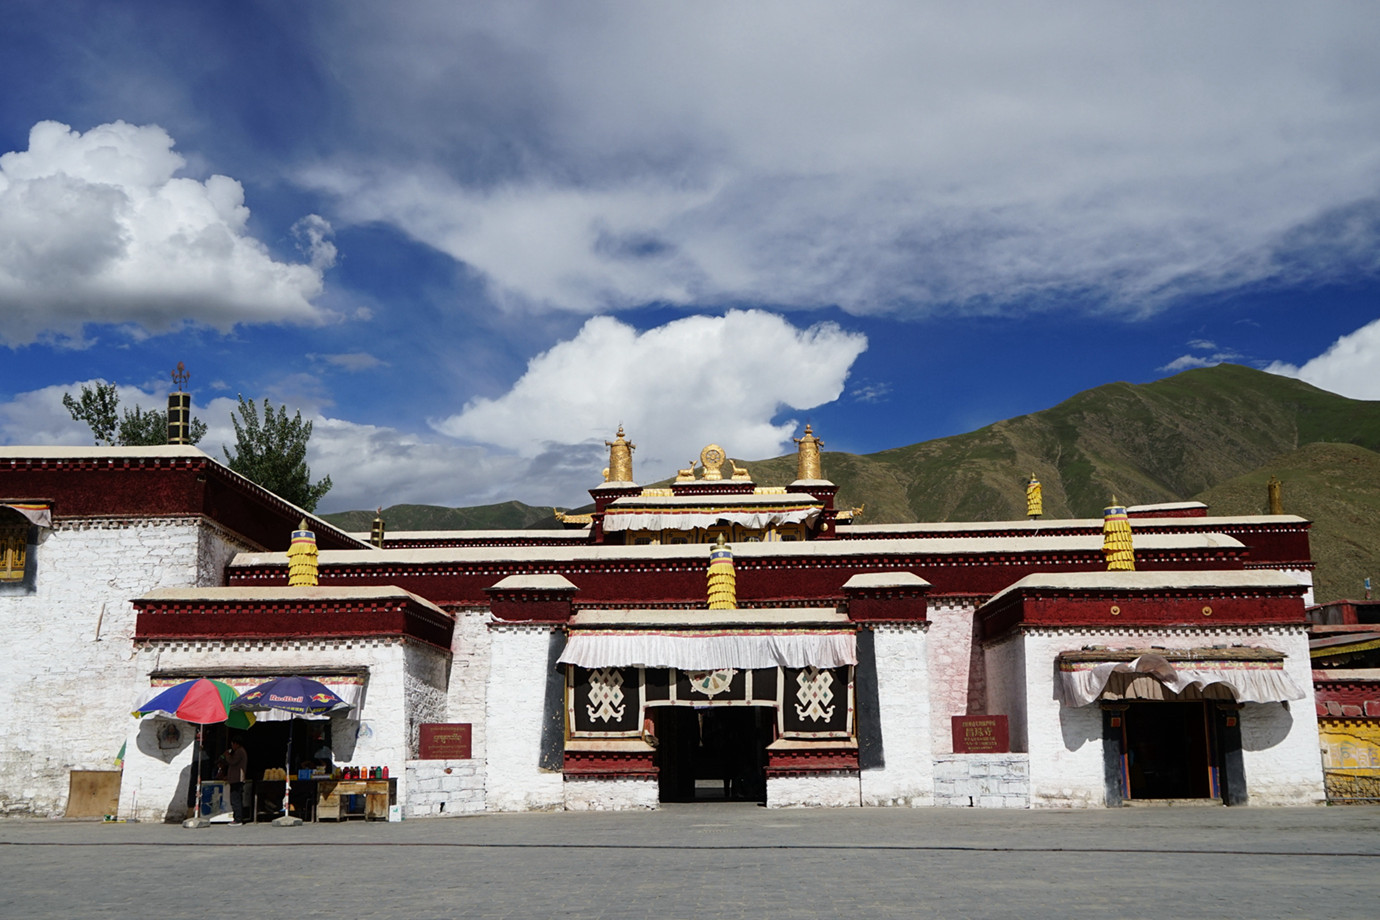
(1169, 751)
(713, 753)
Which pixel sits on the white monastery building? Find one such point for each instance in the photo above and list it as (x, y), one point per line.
(711, 639)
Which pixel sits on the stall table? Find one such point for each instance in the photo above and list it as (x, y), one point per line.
(378, 795)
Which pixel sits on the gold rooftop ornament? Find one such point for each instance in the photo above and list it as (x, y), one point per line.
(1275, 489)
(1116, 538)
(180, 408)
(376, 532)
(302, 558)
(1034, 498)
(712, 458)
(620, 459)
(723, 586)
(807, 465)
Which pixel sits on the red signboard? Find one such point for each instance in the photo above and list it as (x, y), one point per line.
(445, 740)
(981, 735)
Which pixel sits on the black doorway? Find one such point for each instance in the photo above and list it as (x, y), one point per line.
(716, 753)
(1169, 751)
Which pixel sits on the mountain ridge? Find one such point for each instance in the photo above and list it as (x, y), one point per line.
(1208, 432)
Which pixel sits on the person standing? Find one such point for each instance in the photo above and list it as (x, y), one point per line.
(236, 763)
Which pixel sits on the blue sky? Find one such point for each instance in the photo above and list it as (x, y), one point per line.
(470, 240)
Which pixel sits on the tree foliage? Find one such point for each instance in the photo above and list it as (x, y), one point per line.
(99, 408)
(272, 451)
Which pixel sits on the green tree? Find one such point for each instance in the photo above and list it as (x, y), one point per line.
(99, 408)
(273, 453)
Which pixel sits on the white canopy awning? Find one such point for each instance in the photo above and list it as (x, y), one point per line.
(692, 650)
(39, 513)
(1260, 679)
(752, 518)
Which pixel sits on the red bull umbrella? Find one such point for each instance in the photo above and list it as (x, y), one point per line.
(300, 695)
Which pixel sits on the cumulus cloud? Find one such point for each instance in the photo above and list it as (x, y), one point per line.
(675, 388)
(97, 227)
(1350, 367)
(879, 156)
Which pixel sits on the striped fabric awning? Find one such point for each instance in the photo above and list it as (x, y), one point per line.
(1252, 675)
(707, 650)
(40, 513)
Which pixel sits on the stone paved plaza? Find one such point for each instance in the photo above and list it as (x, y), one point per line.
(713, 861)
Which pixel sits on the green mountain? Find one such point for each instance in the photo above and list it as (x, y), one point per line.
(1337, 487)
(1144, 443)
(1213, 434)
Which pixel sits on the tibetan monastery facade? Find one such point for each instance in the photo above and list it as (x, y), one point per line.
(712, 639)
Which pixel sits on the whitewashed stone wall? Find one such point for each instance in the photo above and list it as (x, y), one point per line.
(836, 789)
(955, 666)
(590, 794)
(467, 695)
(444, 788)
(154, 786)
(982, 780)
(1280, 747)
(514, 716)
(1004, 662)
(72, 678)
(903, 693)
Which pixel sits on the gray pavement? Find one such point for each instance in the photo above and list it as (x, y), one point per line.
(712, 861)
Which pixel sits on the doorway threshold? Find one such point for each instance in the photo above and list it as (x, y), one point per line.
(1168, 803)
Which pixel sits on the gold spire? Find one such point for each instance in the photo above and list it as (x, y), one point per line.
(1116, 538)
(180, 408)
(302, 558)
(620, 459)
(723, 588)
(1275, 489)
(1034, 498)
(376, 532)
(807, 465)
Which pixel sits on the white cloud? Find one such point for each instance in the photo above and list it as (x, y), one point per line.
(351, 361)
(878, 156)
(1350, 367)
(1185, 362)
(368, 465)
(675, 388)
(96, 227)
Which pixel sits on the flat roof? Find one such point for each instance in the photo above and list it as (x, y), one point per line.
(774, 617)
(1197, 523)
(824, 549)
(280, 593)
(1212, 579)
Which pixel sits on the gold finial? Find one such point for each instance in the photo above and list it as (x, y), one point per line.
(711, 458)
(180, 408)
(620, 459)
(1275, 490)
(180, 376)
(723, 588)
(1034, 498)
(1116, 538)
(376, 532)
(807, 464)
(302, 570)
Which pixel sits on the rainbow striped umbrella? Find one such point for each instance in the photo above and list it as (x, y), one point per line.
(202, 701)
